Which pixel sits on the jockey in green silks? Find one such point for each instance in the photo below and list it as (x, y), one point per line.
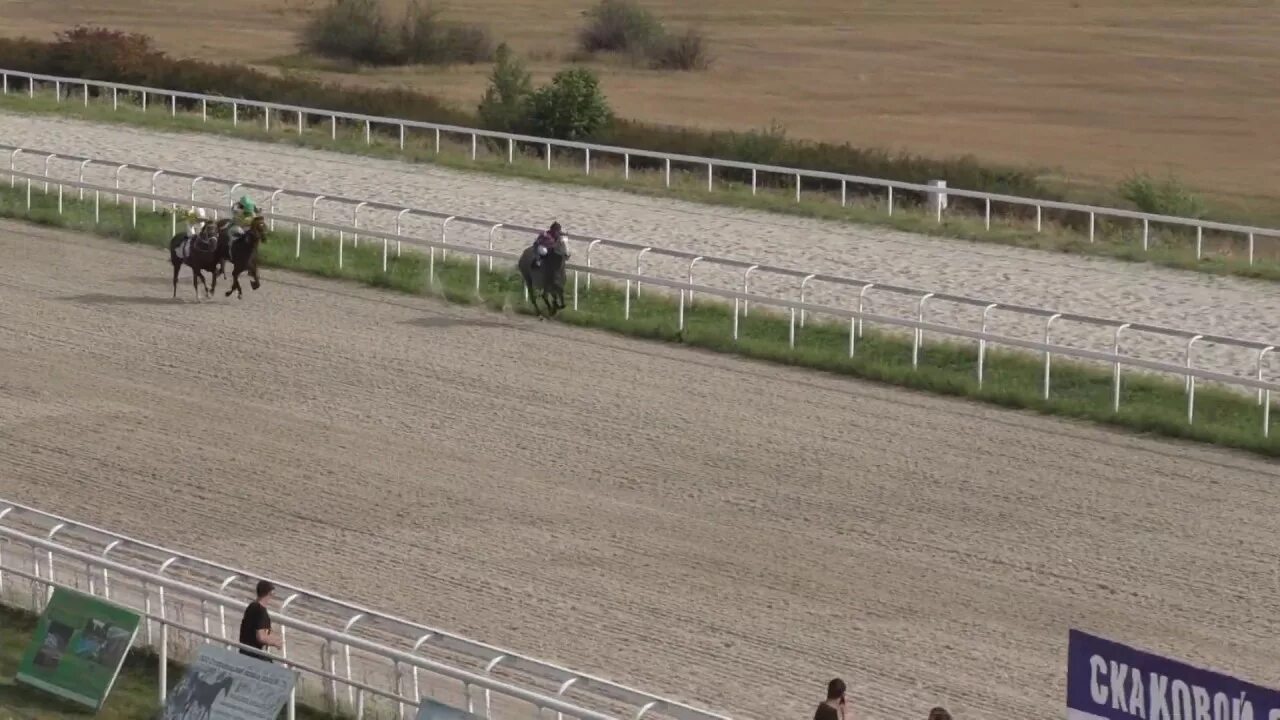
(242, 213)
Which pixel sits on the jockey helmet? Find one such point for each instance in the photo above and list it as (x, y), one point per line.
(555, 230)
(247, 203)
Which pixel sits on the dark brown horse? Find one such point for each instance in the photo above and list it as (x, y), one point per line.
(202, 253)
(547, 279)
(243, 253)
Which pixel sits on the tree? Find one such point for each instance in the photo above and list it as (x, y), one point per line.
(571, 107)
(510, 85)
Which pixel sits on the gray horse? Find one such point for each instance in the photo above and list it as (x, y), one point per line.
(546, 279)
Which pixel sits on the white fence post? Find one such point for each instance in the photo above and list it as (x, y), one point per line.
(982, 342)
(639, 256)
(1115, 380)
(803, 286)
(83, 164)
(938, 198)
(746, 290)
(492, 231)
(355, 224)
(1048, 355)
(919, 333)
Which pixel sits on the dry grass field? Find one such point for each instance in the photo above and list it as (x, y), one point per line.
(1092, 89)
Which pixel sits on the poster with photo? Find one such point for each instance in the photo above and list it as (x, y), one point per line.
(78, 647)
(224, 685)
(429, 709)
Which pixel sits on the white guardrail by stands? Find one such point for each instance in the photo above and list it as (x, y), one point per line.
(686, 290)
(390, 668)
(64, 86)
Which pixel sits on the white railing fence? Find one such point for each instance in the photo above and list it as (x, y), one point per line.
(390, 680)
(357, 218)
(15, 81)
(739, 299)
(336, 617)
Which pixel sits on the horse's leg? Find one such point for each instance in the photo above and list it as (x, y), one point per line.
(214, 274)
(255, 283)
(540, 294)
(195, 282)
(235, 280)
(533, 295)
(177, 268)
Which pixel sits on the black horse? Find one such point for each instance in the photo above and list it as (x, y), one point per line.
(243, 253)
(547, 278)
(202, 253)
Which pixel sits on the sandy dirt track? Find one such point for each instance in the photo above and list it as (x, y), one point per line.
(1106, 288)
(726, 532)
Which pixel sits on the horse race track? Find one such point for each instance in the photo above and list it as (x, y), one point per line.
(730, 533)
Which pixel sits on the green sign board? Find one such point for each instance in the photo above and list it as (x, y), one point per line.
(78, 648)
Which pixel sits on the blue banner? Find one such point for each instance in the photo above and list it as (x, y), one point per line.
(1110, 681)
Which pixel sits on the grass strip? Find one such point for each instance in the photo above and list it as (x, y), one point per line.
(1222, 254)
(133, 697)
(1149, 403)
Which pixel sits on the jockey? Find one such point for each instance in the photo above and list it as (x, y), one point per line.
(545, 241)
(242, 213)
(196, 219)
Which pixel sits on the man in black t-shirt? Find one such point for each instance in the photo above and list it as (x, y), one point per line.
(834, 706)
(255, 626)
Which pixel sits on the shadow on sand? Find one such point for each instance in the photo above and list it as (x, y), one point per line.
(105, 299)
(436, 322)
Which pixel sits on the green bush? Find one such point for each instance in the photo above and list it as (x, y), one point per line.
(358, 31)
(351, 30)
(759, 146)
(686, 51)
(1166, 197)
(620, 26)
(427, 40)
(571, 107)
(101, 54)
(503, 106)
(627, 28)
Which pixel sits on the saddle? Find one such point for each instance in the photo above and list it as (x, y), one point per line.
(204, 242)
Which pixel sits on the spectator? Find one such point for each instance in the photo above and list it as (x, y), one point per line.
(833, 707)
(939, 713)
(255, 626)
